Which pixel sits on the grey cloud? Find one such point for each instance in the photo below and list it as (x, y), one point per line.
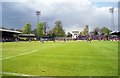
(74, 15)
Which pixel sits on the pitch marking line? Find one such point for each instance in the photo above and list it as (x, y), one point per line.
(16, 74)
(18, 55)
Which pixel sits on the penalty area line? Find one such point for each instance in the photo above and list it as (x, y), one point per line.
(15, 74)
(19, 55)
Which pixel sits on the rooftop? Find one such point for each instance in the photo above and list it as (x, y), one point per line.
(10, 31)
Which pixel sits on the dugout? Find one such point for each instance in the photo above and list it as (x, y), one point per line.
(27, 37)
(8, 35)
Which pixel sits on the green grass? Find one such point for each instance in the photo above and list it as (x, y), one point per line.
(74, 58)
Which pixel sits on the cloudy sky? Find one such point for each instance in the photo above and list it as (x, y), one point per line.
(74, 14)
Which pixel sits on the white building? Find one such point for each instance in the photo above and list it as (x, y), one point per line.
(75, 34)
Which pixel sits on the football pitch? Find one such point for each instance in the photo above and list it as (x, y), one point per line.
(73, 58)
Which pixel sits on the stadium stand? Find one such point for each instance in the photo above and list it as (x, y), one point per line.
(27, 37)
(9, 35)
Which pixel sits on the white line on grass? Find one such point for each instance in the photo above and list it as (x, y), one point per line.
(18, 55)
(15, 74)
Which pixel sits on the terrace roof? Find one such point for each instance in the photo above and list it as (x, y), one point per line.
(13, 31)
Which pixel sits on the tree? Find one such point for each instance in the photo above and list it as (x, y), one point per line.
(34, 31)
(27, 28)
(80, 34)
(105, 31)
(58, 30)
(69, 34)
(86, 30)
(40, 30)
(96, 31)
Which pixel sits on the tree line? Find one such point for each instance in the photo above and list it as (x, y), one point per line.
(58, 30)
(40, 30)
(96, 31)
